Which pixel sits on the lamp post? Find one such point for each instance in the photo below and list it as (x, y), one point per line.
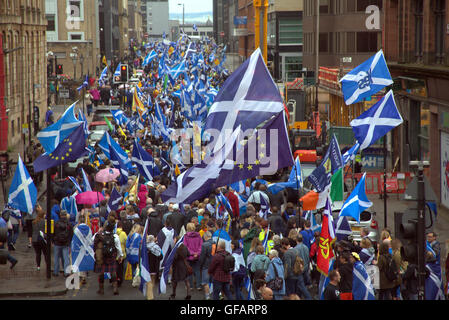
(82, 64)
(182, 4)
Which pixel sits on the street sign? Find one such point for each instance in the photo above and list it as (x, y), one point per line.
(64, 93)
(392, 184)
(240, 20)
(240, 32)
(411, 193)
(25, 128)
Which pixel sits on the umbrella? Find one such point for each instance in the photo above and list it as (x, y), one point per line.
(107, 175)
(89, 197)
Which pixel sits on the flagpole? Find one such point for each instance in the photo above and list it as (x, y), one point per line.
(48, 262)
(385, 181)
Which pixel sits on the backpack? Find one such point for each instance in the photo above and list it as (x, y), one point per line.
(61, 232)
(391, 272)
(109, 249)
(229, 263)
(298, 266)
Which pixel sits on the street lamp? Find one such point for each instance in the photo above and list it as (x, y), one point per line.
(182, 4)
(74, 58)
(81, 63)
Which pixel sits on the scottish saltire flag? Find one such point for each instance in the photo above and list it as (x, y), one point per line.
(119, 117)
(144, 162)
(327, 238)
(295, 180)
(362, 288)
(114, 200)
(238, 186)
(223, 203)
(118, 164)
(195, 27)
(69, 204)
(51, 136)
(82, 251)
(342, 228)
(324, 280)
(150, 56)
(177, 70)
(84, 85)
(357, 202)
(164, 164)
(144, 263)
(320, 178)
(167, 263)
(221, 234)
(22, 192)
(190, 50)
(107, 142)
(264, 208)
(249, 289)
(434, 287)
(351, 153)
(83, 118)
(117, 70)
(69, 149)
(375, 122)
(103, 77)
(247, 98)
(310, 216)
(75, 183)
(86, 184)
(265, 239)
(366, 79)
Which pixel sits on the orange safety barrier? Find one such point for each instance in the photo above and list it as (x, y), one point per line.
(374, 181)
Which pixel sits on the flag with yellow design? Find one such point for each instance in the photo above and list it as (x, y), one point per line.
(177, 171)
(138, 105)
(105, 62)
(327, 238)
(132, 192)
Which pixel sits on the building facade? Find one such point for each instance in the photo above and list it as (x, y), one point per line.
(22, 28)
(123, 27)
(157, 18)
(109, 27)
(203, 30)
(73, 36)
(136, 30)
(246, 32)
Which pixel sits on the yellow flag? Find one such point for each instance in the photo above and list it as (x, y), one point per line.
(133, 190)
(105, 62)
(121, 131)
(140, 84)
(170, 50)
(217, 62)
(177, 171)
(137, 104)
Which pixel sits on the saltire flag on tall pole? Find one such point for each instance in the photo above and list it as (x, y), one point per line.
(85, 84)
(327, 238)
(247, 98)
(69, 149)
(167, 263)
(22, 191)
(357, 202)
(320, 178)
(75, 183)
(150, 56)
(117, 70)
(195, 27)
(82, 252)
(119, 117)
(351, 153)
(51, 136)
(86, 184)
(342, 228)
(114, 200)
(144, 162)
(144, 261)
(82, 117)
(118, 164)
(295, 180)
(103, 77)
(221, 234)
(375, 122)
(366, 79)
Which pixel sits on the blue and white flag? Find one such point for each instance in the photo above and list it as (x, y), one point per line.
(295, 180)
(375, 122)
(195, 27)
(103, 77)
(314, 226)
(249, 289)
(69, 204)
(118, 164)
(145, 276)
(51, 136)
(114, 201)
(357, 202)
(144, 162)
(107, 143)
(75, 183)
(264, 208)
(351, 153)
(324, 280)
(150, 56)
(221, 234)
(167, 263)
(86, 184)
(362, 287)
(84, 85)
(83, 118)
(434, 287)
(82, 249)
(117, 70)
(22, 191)
(366, 79)
(247, 98)
(119, 117)
(342, 228)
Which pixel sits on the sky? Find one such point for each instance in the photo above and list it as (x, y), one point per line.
(190, 6)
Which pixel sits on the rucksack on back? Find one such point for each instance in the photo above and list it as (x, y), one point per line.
(229, 263)
(298, 266)
(391, 272)
(109, 249)
(61, 232)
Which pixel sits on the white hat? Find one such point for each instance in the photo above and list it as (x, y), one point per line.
(175, 206)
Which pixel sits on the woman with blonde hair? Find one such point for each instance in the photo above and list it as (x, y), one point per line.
(38, 241)
(132, 246)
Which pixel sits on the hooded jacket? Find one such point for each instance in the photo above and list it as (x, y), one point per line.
(254, 232)
(142, 195)
(154, 224)
(193, 242)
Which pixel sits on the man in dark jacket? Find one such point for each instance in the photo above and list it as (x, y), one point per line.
(62, 239)
(345, 267)
(205, 260)
(155, 223)
(220, 278)
(276, 222)
(177, 219)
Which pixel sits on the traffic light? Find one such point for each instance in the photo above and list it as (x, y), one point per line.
(124, 73)
(408, 233)
(59, 69)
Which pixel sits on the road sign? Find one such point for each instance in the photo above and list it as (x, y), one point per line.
(25, 128)
(64, 93)
(411, 193)
(392, 184)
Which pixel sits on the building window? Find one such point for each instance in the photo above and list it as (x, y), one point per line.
(440, 6)
(363, 4)
(367, 41)
(51, 26)
(424, 133)
(419, 30)
(350, 5)
(324, 42)
(350, 42)
(293, 67)
(18, 125)
(324, 6)
(76, 36)
(12, 128)
(290, 31)
(75, 10)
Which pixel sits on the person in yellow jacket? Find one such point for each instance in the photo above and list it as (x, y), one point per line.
(270, 243)
(120, 265)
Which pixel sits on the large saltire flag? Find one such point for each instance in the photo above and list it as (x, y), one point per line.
(22, 192)
(327, 238)
(82, 252)
(366, 79)
(145, 276)
(357, 202)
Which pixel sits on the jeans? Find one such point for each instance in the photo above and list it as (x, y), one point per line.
(237, 282)
(15, 233)
(196, 273)
(218, 287)
(290, 286)
(302, 289)
(307, 278)
(61, 251)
